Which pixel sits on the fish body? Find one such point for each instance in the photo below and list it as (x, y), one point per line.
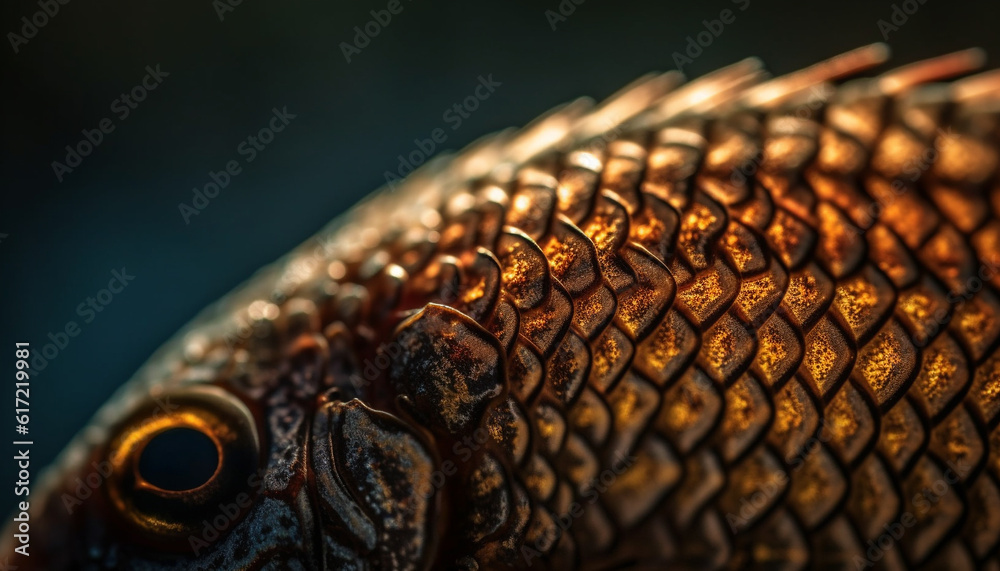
(735, 323)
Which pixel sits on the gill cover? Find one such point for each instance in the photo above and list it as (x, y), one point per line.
(373, 481)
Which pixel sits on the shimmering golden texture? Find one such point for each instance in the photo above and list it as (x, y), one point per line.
(781, 335)
(171, 515)
(802, 349)
(755, 330)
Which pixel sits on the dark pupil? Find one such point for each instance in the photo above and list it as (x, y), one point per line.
(178, 459)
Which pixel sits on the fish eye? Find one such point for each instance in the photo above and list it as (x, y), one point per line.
(158, 466)
(178, 457)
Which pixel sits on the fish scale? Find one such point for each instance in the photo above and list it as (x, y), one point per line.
(707, 435)
(735, 323)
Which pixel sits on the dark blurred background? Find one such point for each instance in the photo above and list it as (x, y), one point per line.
(60, 241)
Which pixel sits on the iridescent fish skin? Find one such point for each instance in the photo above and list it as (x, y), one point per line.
(734, 323)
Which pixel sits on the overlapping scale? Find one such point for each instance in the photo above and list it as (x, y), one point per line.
(741, 336)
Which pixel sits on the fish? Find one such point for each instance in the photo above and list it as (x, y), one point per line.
(734, 322)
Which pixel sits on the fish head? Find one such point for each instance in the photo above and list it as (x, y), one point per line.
(224, 473)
